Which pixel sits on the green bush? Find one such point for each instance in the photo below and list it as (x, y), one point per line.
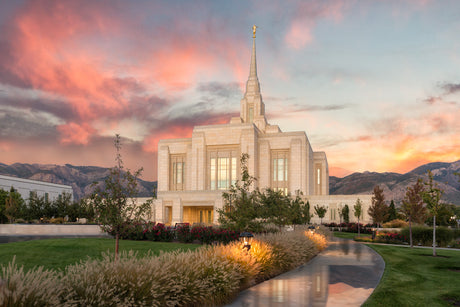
(395, 224)
(424, 235)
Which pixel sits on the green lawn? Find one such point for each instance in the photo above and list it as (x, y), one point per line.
(58, 253)
(413, 277)
(349, 235)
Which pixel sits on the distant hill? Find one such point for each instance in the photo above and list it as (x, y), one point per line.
(79, 177)
(394, 184)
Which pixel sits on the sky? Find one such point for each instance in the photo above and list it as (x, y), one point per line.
(374, 84)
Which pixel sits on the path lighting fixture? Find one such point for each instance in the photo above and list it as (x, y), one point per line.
(246, 239)
(311, 228)
(374, 230)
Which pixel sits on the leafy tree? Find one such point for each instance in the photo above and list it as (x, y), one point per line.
(378, 211)
(412, 206)
(392, 213)
(320, 212)
(299, 212)
(275, 208)
(114, 202)
(241, 204)
(358, 208)
(431, 196)
(13, 205)
(346, 214)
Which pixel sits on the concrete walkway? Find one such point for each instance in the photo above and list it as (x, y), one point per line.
(345, 274)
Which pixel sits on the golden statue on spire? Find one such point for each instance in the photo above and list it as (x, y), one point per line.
(254, 27)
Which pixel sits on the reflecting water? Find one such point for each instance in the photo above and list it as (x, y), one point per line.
(345, 274)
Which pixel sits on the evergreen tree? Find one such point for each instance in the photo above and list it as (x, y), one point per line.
(346, 214)
(392, 213)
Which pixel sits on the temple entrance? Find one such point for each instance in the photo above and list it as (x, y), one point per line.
(202, 215)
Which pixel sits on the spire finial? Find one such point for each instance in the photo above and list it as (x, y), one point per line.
(254, 27)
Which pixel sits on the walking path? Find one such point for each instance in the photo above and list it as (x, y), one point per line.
(345, 274)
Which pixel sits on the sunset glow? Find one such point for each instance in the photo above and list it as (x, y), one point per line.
(374, 84)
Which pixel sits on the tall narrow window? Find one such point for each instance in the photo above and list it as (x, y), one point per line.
(251, 114)
(177, 173)
(222, 168)
(280, 167)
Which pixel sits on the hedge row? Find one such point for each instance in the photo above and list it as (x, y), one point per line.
(209, 276)
(184, 233)
(424, 235)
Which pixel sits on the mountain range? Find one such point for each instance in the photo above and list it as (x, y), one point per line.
(80, 178)
(394, 185)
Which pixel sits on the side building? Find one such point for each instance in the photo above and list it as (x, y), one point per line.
(193, 172)
(27, 187)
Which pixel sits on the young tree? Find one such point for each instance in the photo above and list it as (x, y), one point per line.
(306, 212)
(358, 208)
(13, 205)
(275, 208)
(412, 206)
(320, 212)
(241, 204)
(378, 211)
(297, 213)
(431, 196)
(114, 202)
(392, 213)
(346, 214)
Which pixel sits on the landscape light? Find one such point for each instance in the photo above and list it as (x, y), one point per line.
(246, 239)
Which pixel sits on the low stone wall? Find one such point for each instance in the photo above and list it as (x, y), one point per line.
(50, 230)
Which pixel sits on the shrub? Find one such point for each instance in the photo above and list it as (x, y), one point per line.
(36, 287)
(424, 235)
(183, 234)
(208, 276)
(159, 232)
(57, 220)
(395, 224)
(391, 237)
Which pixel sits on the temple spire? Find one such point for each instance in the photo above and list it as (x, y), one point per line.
(252, 106)
(252, 85)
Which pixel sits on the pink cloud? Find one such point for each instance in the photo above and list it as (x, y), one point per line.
(305, 18)
(75, 133)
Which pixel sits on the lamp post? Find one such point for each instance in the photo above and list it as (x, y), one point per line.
(246, 239)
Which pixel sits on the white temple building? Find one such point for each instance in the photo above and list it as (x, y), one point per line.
(193, 172)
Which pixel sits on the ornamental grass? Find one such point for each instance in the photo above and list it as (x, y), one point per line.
(209, 276)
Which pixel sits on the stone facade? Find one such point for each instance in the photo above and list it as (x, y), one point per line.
(193, 172)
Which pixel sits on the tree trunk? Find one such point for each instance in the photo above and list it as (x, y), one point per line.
(116, 247)
(358, 228)
(410, 231)
(434, 236)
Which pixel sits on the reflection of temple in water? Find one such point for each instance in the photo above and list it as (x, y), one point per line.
(320, 282)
